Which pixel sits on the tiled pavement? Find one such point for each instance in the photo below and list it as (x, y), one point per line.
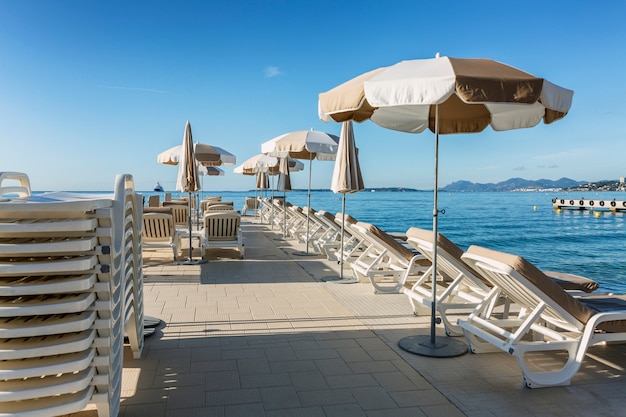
(264, 336)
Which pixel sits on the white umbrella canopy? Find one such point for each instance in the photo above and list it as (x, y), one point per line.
(304, 144)
(446, 95)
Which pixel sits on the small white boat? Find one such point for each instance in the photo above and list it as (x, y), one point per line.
(158, 187)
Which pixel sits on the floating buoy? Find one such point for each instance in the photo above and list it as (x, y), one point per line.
(535, 208)
(597, 214)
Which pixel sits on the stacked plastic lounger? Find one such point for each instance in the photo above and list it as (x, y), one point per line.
(65, 300)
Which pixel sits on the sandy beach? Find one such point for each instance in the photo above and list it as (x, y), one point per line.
(265, 336)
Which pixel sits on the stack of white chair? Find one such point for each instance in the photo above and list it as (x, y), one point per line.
(70, 290)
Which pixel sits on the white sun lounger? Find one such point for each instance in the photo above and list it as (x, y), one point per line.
(71, 281)
(385, 262)
(550, 319)
(222, 230)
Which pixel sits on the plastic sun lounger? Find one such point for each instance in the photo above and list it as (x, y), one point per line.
(460, 287)
(385, 262)
(353, 247)
(330, 240)
(550, 319)
(250, 206)
(159, 231)
(71, 279)
(222, 230)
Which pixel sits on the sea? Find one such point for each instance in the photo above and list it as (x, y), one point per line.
(582, 242)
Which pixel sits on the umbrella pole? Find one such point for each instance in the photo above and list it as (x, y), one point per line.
(308, 203)
(284, 215)
(341, 280)
(343, 222)
(307, 253)
(191, 261)
(431, 345)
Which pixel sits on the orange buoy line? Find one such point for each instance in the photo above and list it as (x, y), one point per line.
(583, 204)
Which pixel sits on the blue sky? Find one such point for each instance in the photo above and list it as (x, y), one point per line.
(90, 89)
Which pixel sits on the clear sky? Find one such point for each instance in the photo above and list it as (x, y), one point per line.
(90, 89)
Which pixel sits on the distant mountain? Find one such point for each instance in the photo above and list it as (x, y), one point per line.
(512, 184)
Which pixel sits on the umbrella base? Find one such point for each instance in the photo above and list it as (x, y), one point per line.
(336, 280)
(149, 321)
(444, 347)
(303, 253)
(191, 262)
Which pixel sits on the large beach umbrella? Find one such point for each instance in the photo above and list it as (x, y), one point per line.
(346, 179)
(446, 95)
(189, 162)
(266, 164)
(304, 144)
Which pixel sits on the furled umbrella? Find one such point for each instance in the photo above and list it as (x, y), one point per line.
(304, 144)
(446, 95)
(346, 179)
(284, 184)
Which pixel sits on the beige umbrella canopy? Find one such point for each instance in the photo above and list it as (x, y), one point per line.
(346, 179)
(446, 95)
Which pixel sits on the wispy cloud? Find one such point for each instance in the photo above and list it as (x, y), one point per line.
(272, 71)
(519, 168)
(547, 166)
(570, 154)
(148, 90)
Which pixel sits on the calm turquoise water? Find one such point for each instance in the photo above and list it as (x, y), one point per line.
(570, 241)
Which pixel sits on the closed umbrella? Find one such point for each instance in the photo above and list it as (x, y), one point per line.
(304, 144)
(446, 95)
(187, 180)
(284, 184)
(346, 179)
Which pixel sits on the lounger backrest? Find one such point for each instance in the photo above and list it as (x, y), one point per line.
(328, 218)
(544, 288)
(154, 201)
(388, 241)
(423, 239)
(180, 213)
(251, 203)
(222, 226)
(157, 227)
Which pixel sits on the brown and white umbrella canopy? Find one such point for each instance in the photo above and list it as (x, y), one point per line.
(471, 94)
(446, 95)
